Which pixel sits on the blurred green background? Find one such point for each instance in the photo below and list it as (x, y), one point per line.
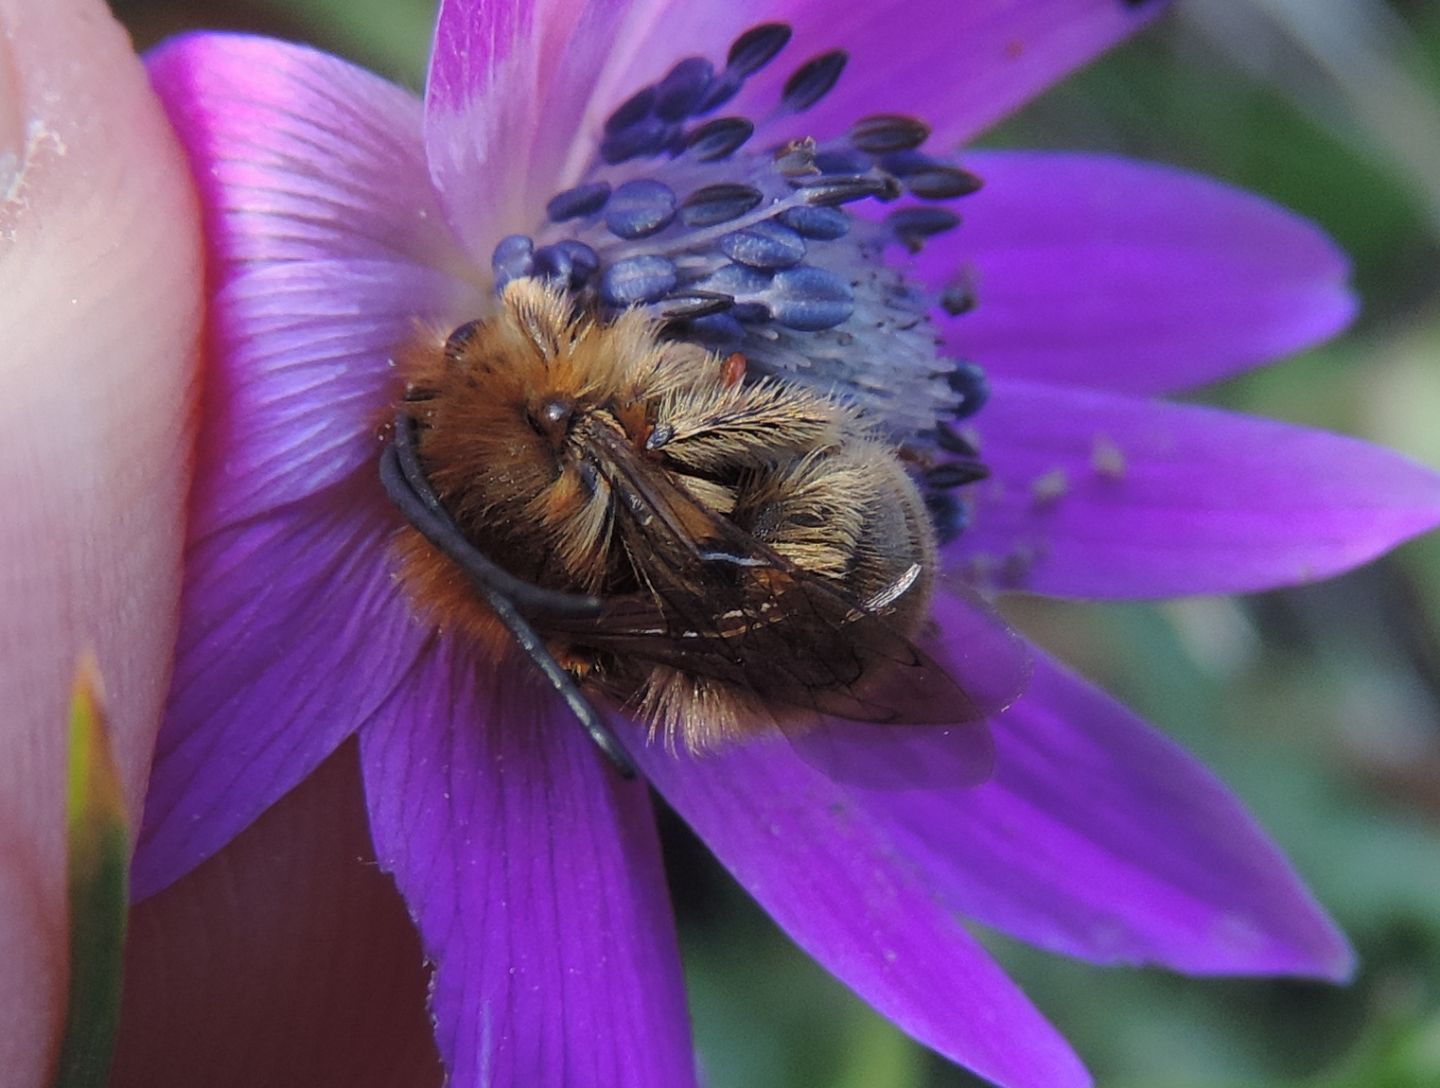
(1321, 706)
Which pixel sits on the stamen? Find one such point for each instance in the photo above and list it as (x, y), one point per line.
(718, 139)
(634, 109)
(813, 80)
(971, 386)
(809, 299)
(757, 47)
(951, 441)
(884, 133)
(914, 225)
(955, 474)
(820, 223)
(930, 178)
(512, 259)
(648, 136)
(765, 245)
(718, 203)
(640, 208)
(680, 93)
(829, 190)
(580, 201)
(637, 280)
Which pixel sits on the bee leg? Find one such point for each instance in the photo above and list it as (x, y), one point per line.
(404, 482)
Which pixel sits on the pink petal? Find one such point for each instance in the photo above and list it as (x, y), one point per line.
(100, 302)
(1099, 838)
(1099, 495)
(1114, 274)
(533, 873)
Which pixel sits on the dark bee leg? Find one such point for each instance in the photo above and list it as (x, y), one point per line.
(404, 482)
(412, 493)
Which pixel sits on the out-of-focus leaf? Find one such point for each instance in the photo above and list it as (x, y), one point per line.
(98, 844)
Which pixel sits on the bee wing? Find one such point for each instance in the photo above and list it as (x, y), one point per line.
(721, 604)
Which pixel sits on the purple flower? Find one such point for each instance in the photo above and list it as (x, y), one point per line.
(343, 215)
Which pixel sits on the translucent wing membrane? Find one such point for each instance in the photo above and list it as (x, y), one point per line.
(721, 604)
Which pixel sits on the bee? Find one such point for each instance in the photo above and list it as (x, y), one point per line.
(722, 557)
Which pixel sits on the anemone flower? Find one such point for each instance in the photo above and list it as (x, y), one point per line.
(653, 156)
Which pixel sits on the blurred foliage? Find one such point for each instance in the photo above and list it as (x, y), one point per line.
(1320, 706)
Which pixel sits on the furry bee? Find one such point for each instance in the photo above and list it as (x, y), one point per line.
(722, 557)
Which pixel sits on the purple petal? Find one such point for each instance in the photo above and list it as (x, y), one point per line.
(291, 636)
(1098, 495)
(815, 862)
(533, 873)
(960, 66)
(300, 378)
(1101, 272)
(298, 154)
(321, 222)
(1100, 838)
(518, 89)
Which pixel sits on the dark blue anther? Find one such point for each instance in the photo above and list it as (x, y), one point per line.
(831, 189)
(951, 441)
(757, 47)
(720, 331)
(929, 178)
(554, 264)
(735, 280)
(693, 304)
(718, 203)
(969, 383)
(633, 109)
(766, 244)
(841, 161)
(646, 137)
(752, 313)
(639, 208)
(581, 200)
(584, 262)
(813, 80)
(723, 87)
(684, 87)
(947, 514)
(886, 133)
(958, 297)
(821, 223)
(809, 299)
(914, 225)
(513, 258)
(719, 138)
(637, 279)
(950, 474)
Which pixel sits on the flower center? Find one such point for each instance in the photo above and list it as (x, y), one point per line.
(780, 253)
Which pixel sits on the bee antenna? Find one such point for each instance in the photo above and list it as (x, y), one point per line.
(510, 598)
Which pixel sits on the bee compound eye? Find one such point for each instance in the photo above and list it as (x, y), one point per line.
(463, 336)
